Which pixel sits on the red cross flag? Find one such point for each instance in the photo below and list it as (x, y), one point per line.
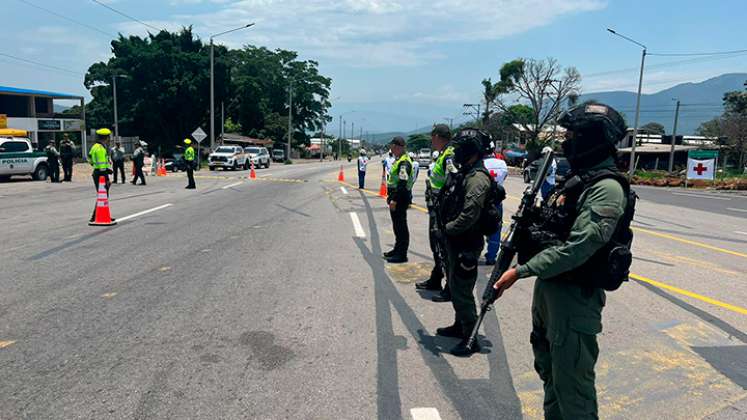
(700, 168)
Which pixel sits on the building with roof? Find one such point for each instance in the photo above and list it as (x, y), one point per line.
(33, 111)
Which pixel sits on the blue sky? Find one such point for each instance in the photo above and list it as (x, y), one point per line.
(417, 60)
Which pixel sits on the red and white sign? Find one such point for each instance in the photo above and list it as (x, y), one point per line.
(700, 168)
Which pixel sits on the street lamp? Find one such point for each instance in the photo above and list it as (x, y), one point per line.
(638, 99)
(339, 139)
(116, 118)
(212, 81)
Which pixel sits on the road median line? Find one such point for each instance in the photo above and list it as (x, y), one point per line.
(706, 299)
(144, 212)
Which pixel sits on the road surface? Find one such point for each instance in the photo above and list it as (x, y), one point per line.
(268, 298)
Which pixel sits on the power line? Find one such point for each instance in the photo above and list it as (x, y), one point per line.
(50, 67)
(697, 54)
(127, 16)
(69, 19)
(665, 64)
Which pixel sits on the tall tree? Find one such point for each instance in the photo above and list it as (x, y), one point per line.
(653, 128)
(734, 125)
(544, 85)
(163, 94)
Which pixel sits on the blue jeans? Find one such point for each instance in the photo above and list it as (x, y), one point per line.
(545, 189)
(494, 240)
(361, 179)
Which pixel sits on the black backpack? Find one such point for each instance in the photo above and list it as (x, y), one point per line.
(491, 220)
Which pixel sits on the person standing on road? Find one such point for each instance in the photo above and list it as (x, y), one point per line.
(415, 166)
(441, 167)
(99, 160)
(399, 197)
(138, 160)
(549, 183)
(117, 155)
(573, 270)
(67, 153)
(53, 161)
(362, 163)
(498, 171)
(189, 159)
(463, 199)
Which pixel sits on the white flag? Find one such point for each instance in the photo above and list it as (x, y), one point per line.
(701, 168)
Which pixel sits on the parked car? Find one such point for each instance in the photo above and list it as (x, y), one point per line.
(260, 156)
(17, 157)
(228, 157)
(278, 155)
(530, 172)
(176, 164)
(424, 157)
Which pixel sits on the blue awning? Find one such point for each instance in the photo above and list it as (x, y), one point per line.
(31, 92)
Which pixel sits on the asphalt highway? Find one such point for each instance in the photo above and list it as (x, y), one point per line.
(268, 298)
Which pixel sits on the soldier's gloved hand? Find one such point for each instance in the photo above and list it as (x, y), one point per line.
(437, 234)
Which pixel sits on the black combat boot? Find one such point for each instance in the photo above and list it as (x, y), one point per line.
(454, 330)
(461, 349)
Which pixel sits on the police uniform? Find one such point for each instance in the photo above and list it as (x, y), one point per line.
(138, 159)
(399, 190)
(189, 157)
(53, 161)
(567, 303)
(99, 160)
(442, 166)
(67, 153)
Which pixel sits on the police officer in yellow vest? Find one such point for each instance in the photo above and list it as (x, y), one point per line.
(99, 160)
(440, 142)
(399, 197)
(189, 157)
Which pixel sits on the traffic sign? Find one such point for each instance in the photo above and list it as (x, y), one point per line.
(199, 135)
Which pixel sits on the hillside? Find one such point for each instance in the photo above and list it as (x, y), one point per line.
(700, 101)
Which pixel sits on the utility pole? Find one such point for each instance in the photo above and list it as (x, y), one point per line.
(451, 122)
(339, 139)
(290, 120)
(222, 122)
(631, 170)
(116, 120)
(674, 136)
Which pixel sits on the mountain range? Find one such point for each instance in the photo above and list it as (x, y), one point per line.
(699, 101)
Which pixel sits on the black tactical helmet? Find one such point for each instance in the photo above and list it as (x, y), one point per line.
(596, 129)
(468, 142)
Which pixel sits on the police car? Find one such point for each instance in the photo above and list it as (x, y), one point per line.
(17, 156)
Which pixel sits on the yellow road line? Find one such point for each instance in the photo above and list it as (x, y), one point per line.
(677, 239)
(4, 344)
(659, 284)
(734, 308)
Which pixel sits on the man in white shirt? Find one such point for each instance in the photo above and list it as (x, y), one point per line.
(498, 171)
(415, 167)
(362, 163)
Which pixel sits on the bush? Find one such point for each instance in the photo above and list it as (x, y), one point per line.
(288, 162)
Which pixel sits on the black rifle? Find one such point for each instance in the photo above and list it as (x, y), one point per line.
(430, 200)
(521, 219)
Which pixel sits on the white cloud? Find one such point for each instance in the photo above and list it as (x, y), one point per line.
(379, 32)
(447, 94)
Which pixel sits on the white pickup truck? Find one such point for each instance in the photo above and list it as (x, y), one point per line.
(17, 157)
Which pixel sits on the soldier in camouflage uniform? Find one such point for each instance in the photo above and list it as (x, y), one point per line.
(567, 303)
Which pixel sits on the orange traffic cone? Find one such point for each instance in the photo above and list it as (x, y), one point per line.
(341, 176)
(103, 216)
(162, 168)
(382, 188)
(252, 174)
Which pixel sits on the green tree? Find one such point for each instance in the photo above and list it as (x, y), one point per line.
(653, 128)
(415, 142)
(260, 83)
(163, 95)
(710, 128)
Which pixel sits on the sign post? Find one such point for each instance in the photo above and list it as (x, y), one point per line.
(199, 135)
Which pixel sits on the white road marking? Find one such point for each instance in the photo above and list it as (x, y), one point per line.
(713, 197)
(265, 175)
(344, 190)
(424, 413)
(739, 210)
(132, 216)
(357, 226)
(231, 185)
(740, 232)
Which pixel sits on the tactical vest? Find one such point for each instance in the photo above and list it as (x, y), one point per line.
(440, 171)
(609, 267)
(394, 175)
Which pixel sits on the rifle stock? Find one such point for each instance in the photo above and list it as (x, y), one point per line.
(508, 247)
